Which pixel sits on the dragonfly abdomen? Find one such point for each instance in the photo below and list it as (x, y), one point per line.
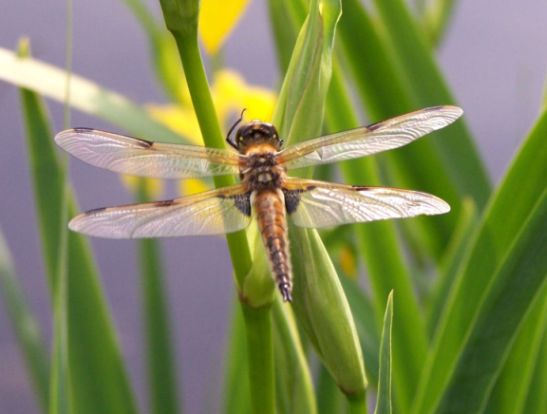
(272, 223)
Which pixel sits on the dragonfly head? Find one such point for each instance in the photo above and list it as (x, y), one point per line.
(257, 133)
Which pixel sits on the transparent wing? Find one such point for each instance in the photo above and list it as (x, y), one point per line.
(382, 136)
(213, 212)
(322, 204)
(127, 155)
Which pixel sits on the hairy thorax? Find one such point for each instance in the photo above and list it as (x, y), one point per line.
(261, 171)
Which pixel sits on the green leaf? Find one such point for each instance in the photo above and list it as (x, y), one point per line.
(383, 401)
(97, 374)
(516, 284)
(383, 257)
(455, 253)
(366, 324)
(60, 401)
(508, 210)
(299, 111)
(285, 23)
(537, 400)
(421, 72)
(26, 328)
(48, 179)
(384, 93)
(97, 377)
(513, 385)
(85, 96)
(294, 388)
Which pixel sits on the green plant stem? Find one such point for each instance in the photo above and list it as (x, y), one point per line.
(181, 18)
(258, 324)
(256, 320)
(358, 405)
(212, 136)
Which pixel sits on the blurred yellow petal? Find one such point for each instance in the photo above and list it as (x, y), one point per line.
(180, 119)
(217, 18)
(260, 103)
(227, 91)
(231, 94)
(153, 186)
(193, 186)
(348, 262)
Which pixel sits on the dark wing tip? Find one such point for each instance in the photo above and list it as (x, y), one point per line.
(453, 110)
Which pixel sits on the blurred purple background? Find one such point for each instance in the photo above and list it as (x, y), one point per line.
(495, 60)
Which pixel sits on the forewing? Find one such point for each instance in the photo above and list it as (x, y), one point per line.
(134, 156)
(213, 212)
(319, 204)
(382, 136)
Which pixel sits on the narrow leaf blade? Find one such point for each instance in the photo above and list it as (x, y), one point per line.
(517, 284)
(491, 243)
(98, 379)
(513, 385)
(25, 326)
(383, 401)
(86, 96)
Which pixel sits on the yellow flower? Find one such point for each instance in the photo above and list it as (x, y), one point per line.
(217, 18)
(230, 95)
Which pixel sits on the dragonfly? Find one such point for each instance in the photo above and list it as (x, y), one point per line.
(265, 193)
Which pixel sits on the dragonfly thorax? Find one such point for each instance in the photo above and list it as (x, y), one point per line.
(263, 172)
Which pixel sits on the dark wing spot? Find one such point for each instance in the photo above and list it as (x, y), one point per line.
(83, 130)
(96, 210)
(144, 143)
(375, 126)
(361, 188)
(242, 202)
(164, 203)
(292, 198)
(435, 108)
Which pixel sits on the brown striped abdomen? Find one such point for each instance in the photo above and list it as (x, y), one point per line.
(272, 224)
